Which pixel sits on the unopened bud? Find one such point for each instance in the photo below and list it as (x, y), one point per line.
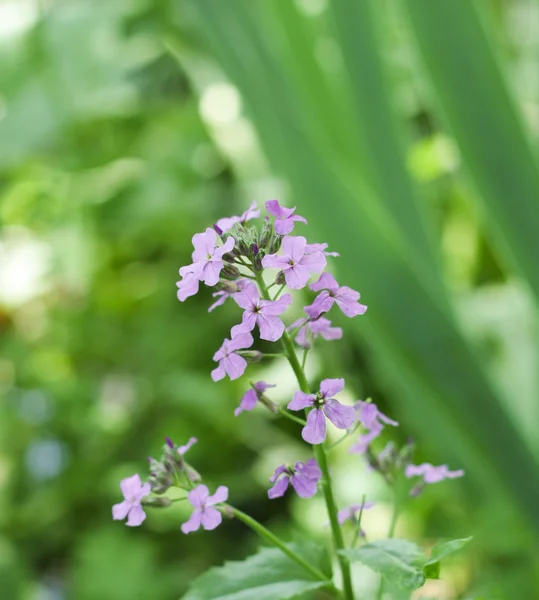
(416, 490)
(230, 272)
(218, 230)
(275, 244)
(227, 511)
(192, 474)
(158, 502)
(280, 280)
(269, 403)
(266, 233)
(169, 442)
(255, 249)
(252, 355)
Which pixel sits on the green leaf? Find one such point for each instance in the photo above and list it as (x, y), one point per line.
(399, 561)
(432, 566)
(267, 575)
(403, 563)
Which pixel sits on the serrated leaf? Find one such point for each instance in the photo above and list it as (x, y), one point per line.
(399, 561)
(267, 575)
(432, 566)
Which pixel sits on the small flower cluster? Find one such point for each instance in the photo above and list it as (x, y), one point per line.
(234, 257)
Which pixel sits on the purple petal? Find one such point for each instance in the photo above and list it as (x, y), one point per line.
(276, 307)
(315, 262)
(294, 247)
(211, 272)
(326, 281)
(226, 223)
(136, 516)
(305, 487)
(248, 401)
(194, 521)
(271, 328)
(283, 226)
(221, 495)
(235, 366)
(296, 277)
(298, 219)
(228, 246)
(322, 304)
(130, 486)
(345, 514)
(331, 387)
(275, 209)
(315, 430)
(183, 449)
(301, 400)
(218, 373)
(387, 420)
(309, 469)
(119, 511)
(279, 488)
(363, 442)
(244, 340)
(274, 261)
(204, 244)
(280, 469)
(211, 518)
(340, 415)
(351, 308)
(262, 386)
(198, 496)
(248, 297)
(187, 287)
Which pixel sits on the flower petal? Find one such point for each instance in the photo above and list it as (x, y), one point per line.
(198, 496)
(331, 387)
(211, 518)
(221, 495)
(130, 486)
(315, 430)
(136, 516)
(279, 488)
(280, 469)
(296, 277)
(326, 281)
(340, 415)
(235, 365)
(183, 449)
(248, 401)
(119, 511)
(194, 521)
(301, 400)
(218, 373)
(271, 328)
(305, 487)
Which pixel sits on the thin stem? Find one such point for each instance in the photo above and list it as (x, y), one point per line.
(390, 534)
(275, 541)
(284, 413)
(344, 437)
(357, 533)
(320, 455)
(278, 292)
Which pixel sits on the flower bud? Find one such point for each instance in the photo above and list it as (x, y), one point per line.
(230, 272)
(268, 403)
(275, 244)
(280, 280)
(266, 233)
(218, 230)
(158, 502)
(192, 474)
(252, 355)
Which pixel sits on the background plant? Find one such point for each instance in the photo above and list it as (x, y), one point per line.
(120, 136)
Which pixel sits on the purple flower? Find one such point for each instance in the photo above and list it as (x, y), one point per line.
(309, 330)
(228, 222)
(251, 396)
(230, 288)
(324, 405)
(351, 513)
(284, 217)
(207, 258)
(304, 478)
(345, 297)
(183, 449)
(260, 312)
(229, 362)
(432, 474)
(133, 492)
(204, 513)
(296, 264)
(372, 419)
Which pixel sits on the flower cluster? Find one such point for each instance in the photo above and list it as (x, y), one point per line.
(259, 269)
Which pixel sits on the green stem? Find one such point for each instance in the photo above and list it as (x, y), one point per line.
(320, 455)
(278, 293)
(275, 541)
(357, 532)
(284, 413)
(390, 534)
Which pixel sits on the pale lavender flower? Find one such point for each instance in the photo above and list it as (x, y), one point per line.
(284, 217)
(351, 513)
(432, 474)
(260, 312)
(183, 449)
(372, 419)
(188, 285)
(251, 396)
(133, 491)
(296, 264)
(207, 257)
(324, 405)
(228, 222)
(309, 330)
(204, 513)
(230, 288)
(304, 478)
(230, 362)
(345, 297)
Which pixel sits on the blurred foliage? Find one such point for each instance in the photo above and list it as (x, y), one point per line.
(406, 133)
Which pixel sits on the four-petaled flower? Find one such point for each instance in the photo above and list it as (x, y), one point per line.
(260, 312)
(324, 405)
(284, 217)
(188, 284)
(296, 263)
(351, 513)
(432, 474)
(345, 297)
(227, 223)
(204, 513)
(310, 329)
(251, 396)
(229, 361)
(304, 478)
(133, 491)
(372, 419)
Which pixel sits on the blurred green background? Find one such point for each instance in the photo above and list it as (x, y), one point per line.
(406, 131)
